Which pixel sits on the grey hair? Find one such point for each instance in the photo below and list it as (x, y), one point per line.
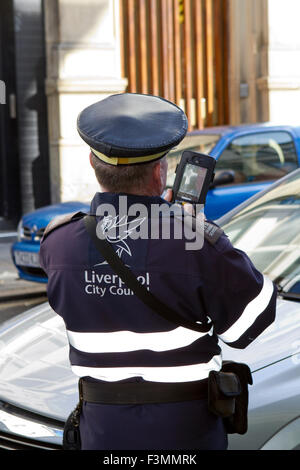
(122, 178)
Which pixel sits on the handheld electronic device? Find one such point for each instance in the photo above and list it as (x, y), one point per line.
(194, 174)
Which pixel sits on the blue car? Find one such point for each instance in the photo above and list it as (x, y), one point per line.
(25, 251)
(249, 159)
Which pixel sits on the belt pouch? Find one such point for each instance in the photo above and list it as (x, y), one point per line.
(223, 388)
(238, 422)
(71, 434)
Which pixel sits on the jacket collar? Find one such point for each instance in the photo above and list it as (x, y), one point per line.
(130, 199)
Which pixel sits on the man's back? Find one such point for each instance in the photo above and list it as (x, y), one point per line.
(114, 337)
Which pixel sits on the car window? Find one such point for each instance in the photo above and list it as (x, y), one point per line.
(268, 231)
(259, 157)
(202, 143)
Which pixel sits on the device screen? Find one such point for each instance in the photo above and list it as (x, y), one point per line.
(192, 182)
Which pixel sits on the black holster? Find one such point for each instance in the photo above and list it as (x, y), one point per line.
(71, 434)
(238, 422)
(223, 388)
(228, 395)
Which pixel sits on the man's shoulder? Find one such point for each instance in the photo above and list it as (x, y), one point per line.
(62, 220)
(212, 232)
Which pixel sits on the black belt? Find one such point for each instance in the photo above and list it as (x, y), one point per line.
(129, 393)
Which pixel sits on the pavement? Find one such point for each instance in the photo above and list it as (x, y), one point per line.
(11, 286)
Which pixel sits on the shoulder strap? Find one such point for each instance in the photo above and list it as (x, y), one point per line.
(212, 232)
(130, 281)
(60, 220)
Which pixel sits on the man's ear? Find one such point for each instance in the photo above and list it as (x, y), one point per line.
(157, 172)
(91, 160)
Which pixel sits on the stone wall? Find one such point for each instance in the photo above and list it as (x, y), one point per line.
(83, 66)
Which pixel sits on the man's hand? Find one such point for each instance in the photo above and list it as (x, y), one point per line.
(168, 196)
(187, 207)
(190, 218)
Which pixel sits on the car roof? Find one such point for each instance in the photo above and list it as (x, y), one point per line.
(242, 128)
(224, 219)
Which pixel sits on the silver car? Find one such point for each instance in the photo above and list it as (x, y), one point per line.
(38, 389)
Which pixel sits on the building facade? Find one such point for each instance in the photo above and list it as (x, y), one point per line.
(222, 61)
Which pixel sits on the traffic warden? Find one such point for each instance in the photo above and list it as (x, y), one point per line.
(117, 341)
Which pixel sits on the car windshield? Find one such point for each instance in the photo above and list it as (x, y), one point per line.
(202, 143)
(268, 231)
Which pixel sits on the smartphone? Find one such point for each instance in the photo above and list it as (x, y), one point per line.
(194, 174)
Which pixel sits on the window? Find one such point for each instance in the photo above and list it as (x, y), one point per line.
(259, 157)
(202, 143)
(268, 230)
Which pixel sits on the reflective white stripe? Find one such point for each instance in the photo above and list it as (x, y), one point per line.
(250, 314)
(123, 341)
(154, 374)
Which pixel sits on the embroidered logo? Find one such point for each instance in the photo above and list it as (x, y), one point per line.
(117, 230)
